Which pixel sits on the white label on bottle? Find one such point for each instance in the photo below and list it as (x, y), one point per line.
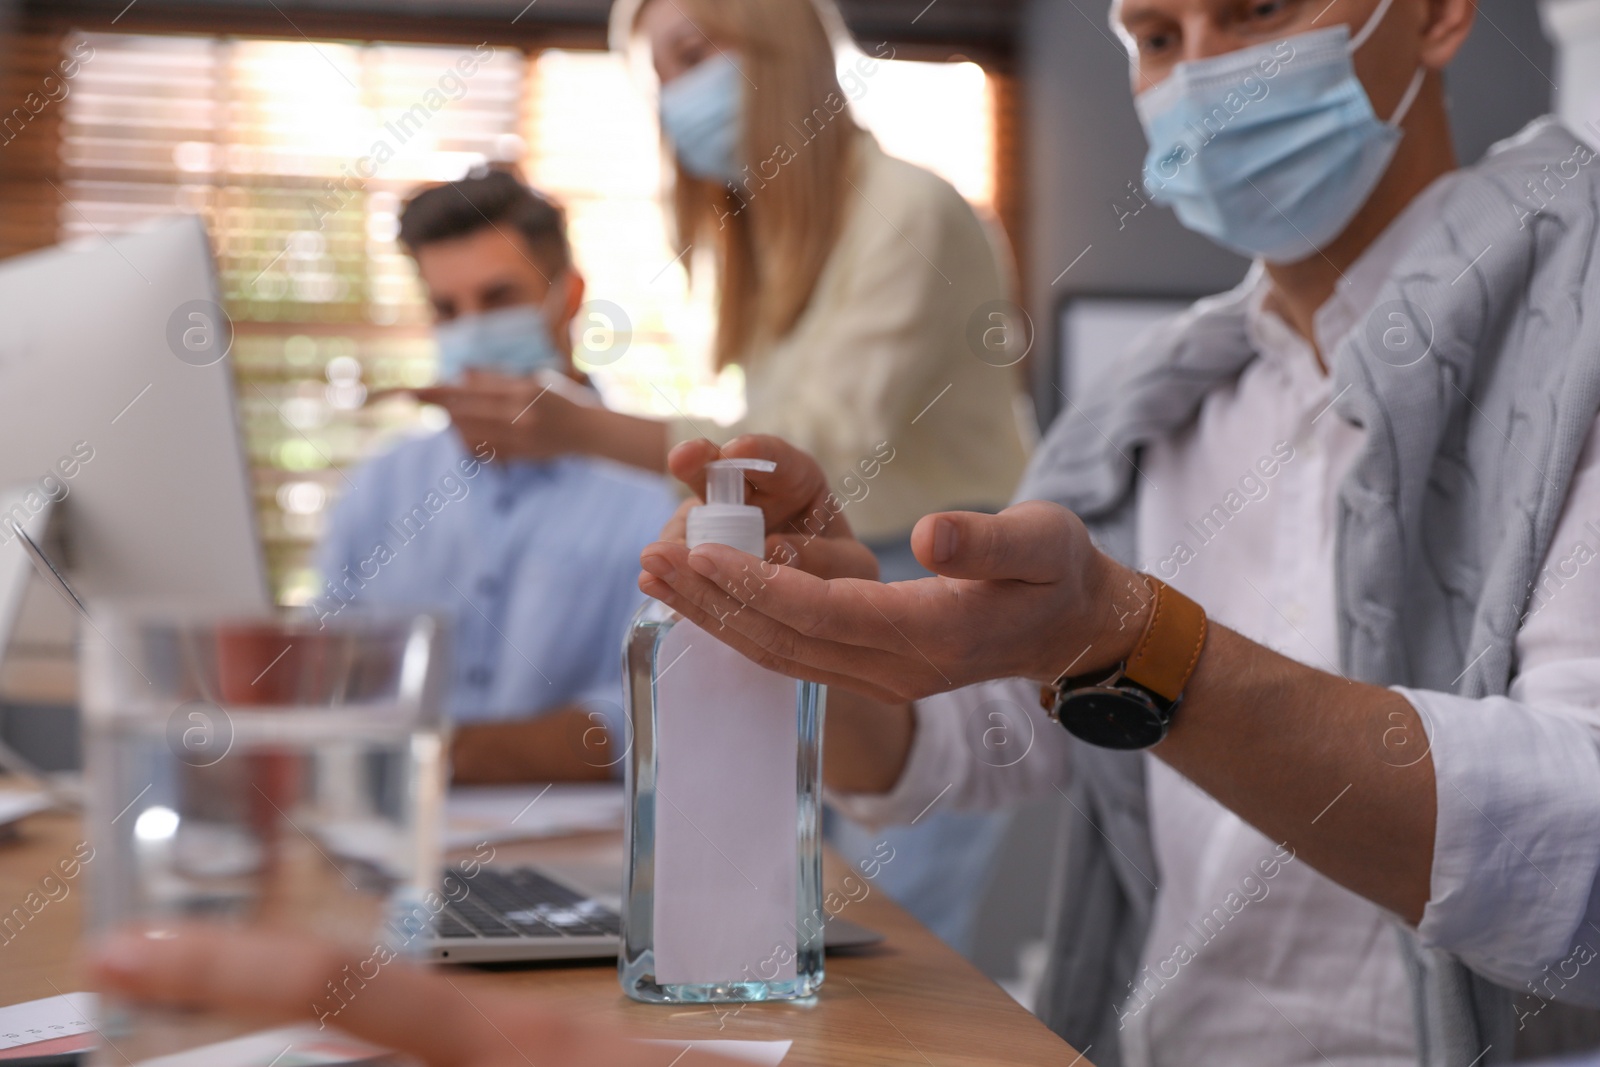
(727, 822)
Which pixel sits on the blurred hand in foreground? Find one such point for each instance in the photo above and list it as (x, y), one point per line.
(270, 979)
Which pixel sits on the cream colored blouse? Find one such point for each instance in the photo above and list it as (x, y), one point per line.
(878, 379)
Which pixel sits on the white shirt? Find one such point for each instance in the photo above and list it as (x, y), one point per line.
(1288, 968)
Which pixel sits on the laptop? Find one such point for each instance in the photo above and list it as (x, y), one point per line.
(529, 913)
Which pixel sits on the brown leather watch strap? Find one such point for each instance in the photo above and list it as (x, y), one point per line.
(1175, 633)
(1167, 652)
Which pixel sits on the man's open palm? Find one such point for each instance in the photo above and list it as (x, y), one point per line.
(1022, 593)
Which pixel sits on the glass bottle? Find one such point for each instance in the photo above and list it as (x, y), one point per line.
(722, 890)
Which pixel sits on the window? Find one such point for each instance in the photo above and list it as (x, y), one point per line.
(299, 154)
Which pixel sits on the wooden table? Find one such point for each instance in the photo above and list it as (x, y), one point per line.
(911, 1000)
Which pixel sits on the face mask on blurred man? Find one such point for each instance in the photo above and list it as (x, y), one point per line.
(702, 114)
(514, 340)
(1270, 151)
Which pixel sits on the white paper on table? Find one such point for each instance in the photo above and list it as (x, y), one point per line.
(476, 814)
(53, 1018)
(287, 1046)
(726, 814)
(33, 1021)
(72, 1014)
(761, 1053)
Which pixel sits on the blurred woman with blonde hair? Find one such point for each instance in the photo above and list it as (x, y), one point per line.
(847, 282)
(862, 298)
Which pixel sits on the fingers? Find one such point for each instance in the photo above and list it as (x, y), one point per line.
(906, 639)
(798, 475)
(272, 978)
(793, 497)
(498, 410)
(668, 563)
(453, 396)
(487, 396)
(687, 463)
(1030, 542)
(669, 577)
(755, 652)
(826, 557)
(677, 528)
(762, 656)
(848, 627)
(798, 601)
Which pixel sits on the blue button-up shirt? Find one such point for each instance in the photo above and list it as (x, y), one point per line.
(536, 564)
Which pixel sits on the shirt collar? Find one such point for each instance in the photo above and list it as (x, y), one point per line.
(1273, 338)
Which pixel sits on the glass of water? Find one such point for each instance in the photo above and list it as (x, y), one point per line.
(278, 771)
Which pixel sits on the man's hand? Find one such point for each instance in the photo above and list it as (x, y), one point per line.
(1025, 594)
(566, 745)
(1019, 594)
(866, 741)
(269, 978)
(518, 417)
(544, 416)
(806, 526)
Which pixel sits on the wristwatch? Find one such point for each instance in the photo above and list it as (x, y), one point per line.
(1132, 707)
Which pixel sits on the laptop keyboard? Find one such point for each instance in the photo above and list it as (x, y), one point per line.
(519, 902)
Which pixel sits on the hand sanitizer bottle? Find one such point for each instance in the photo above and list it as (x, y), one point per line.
(721, 898)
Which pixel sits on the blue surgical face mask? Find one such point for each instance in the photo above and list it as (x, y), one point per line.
(1270, 151)
(702, 114)
(514, 340)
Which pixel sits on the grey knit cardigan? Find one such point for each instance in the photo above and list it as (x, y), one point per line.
(1477, 378)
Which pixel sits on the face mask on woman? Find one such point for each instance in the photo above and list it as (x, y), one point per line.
(702, 114)
(514, 340)
(1270, 151)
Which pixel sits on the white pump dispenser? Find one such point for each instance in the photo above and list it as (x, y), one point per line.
(725, 519)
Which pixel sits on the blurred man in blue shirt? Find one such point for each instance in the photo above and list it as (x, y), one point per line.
(535, 557)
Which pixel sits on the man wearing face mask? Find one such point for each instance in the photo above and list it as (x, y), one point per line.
(534, 558)
(1370, 694)
(1368, 809)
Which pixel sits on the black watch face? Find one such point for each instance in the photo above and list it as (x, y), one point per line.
(1113, 718)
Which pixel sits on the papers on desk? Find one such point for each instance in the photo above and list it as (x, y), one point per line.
(287, 1046)
(46, 1020)
(63, 1024)
(475, 814)
(764, 1053)
(305, 1046)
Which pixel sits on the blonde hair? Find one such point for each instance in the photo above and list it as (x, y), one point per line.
(776, 226)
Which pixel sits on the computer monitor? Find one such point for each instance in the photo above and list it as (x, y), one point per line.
(117, 412)
(1095, 332)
